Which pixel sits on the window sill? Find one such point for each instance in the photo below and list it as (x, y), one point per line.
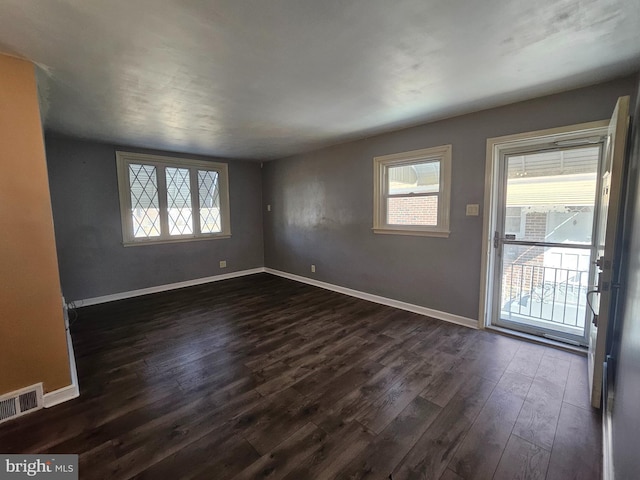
(417, 233)
(176, 240)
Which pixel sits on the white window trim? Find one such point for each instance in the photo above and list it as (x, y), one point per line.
(380, 165)
(123, 159)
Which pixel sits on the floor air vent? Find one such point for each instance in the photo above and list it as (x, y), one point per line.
(20, 402)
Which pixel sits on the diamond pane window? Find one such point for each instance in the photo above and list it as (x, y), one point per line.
(145, 212)
(179, 201)
(169, 199)
(209, 195)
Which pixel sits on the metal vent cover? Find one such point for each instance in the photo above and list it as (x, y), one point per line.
(28, 401)
(7, 409)
(18, 403)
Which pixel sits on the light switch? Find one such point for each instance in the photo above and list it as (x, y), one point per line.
(473, 210)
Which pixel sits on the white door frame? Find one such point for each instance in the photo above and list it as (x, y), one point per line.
(495, 148)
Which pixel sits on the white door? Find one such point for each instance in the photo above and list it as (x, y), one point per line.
(605, 236)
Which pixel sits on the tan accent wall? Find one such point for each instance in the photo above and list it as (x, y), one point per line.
(33, 346)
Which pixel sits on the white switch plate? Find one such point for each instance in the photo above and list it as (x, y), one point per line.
(473, 210)
(268, 208)
(223, 264)
(313, 269)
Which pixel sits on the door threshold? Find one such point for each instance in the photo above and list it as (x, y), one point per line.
(539, 340)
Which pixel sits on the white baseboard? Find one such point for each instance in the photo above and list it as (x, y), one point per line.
(72, 391)
(61, 395)
(390, 302)
(607, 448)
(163, 288)
(429, 312)
(608, 472)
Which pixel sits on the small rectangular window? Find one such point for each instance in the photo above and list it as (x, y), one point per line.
(165, 199)
(513, 223)
(411, 192)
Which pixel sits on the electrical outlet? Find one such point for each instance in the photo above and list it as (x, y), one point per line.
(223, 264)
(313, 269)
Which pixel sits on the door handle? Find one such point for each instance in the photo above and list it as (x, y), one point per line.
(497, 238)
(596, 289)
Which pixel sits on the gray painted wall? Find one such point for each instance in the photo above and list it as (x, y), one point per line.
(86, 213)
(626, 341)
(322, 204)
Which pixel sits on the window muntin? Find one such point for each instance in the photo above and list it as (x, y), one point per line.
(412, 192)
(209, 195)
(145, 210)
(179, 201)
(159, 195)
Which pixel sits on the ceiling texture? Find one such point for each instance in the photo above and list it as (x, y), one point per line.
(263, 79)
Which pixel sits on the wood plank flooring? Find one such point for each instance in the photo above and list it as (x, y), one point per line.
(261, 377)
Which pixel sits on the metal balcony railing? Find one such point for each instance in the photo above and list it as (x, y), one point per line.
(550, 294)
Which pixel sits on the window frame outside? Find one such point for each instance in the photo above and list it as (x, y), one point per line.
(124, 159)
(381, 164)
(523, 220)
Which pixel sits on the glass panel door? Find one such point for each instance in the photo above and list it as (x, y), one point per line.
(545, 287)
(544, 241)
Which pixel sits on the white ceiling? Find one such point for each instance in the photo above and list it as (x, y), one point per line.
(268, 78)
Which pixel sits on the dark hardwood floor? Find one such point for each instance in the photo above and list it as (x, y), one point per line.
(261, 377)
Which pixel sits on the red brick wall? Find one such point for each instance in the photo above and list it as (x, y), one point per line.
(413, 211)
(525, 278)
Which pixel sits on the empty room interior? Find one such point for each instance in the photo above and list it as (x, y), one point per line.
(320, 240)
